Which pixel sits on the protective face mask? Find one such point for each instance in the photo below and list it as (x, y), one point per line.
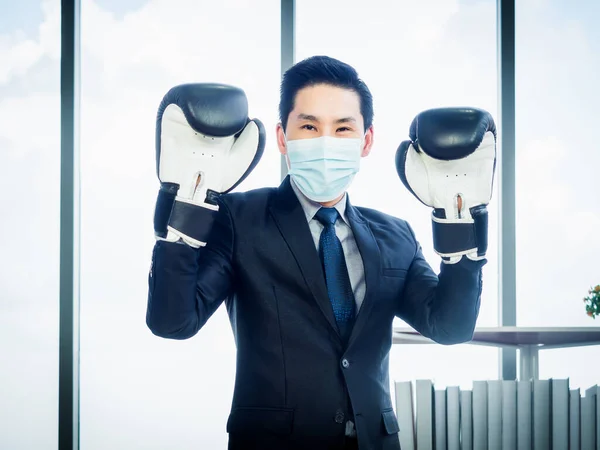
(324, 167)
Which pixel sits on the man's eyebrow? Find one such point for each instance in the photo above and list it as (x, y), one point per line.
(310, 117)
(346, 120)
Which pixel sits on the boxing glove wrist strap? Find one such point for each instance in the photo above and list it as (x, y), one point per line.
(164, 205)
(192, 220)
(461, 236)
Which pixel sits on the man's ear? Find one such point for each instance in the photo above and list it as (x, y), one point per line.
(368, 143)
(281, 139)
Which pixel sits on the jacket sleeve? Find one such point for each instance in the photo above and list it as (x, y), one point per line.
(187, 285)
(442, 307)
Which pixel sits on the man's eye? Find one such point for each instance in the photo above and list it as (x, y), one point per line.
(344, 129)
(308, 127)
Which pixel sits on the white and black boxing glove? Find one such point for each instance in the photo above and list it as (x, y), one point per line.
(449, 165)
(205, 146)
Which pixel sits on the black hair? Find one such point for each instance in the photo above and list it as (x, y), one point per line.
(323, 70)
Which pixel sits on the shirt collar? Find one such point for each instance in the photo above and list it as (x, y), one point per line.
(310, 207)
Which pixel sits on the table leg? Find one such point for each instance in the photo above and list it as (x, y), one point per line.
(529, 362)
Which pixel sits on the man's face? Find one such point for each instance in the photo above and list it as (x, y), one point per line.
(324, 110)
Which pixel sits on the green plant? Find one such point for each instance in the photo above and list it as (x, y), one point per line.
(592, 302)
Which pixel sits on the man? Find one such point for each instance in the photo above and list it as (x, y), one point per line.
(312, 283)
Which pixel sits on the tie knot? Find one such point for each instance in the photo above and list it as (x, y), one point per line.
(327, 216)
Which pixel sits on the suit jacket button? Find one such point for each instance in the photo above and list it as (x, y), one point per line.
(339, 417)
(345, 363)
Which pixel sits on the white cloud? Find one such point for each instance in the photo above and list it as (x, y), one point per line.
(20, 53)
(189, 46)
(31, 123)
(20, 56)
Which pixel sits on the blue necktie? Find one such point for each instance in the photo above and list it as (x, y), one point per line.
(339, 288)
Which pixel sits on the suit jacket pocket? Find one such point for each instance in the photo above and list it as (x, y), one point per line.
(257, 421)
(391, 272)
(390, 423)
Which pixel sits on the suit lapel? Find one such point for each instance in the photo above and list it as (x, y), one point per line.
(291, 221)
(369, 252)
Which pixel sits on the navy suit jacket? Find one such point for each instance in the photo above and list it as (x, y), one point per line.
(294, 375)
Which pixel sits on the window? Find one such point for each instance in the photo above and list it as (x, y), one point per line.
(29, 227)
(558, 199)
(138, 390)
(414, 56)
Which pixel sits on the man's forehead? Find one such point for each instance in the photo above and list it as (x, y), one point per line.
(326, 92)
(323, 102)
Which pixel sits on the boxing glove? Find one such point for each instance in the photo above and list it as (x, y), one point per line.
(205, 146)
(449, 164)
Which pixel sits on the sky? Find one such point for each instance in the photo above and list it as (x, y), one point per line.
(140, 391)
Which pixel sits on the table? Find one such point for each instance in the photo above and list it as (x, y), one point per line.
(528, 340)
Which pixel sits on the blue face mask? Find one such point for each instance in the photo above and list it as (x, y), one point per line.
(324, 167)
